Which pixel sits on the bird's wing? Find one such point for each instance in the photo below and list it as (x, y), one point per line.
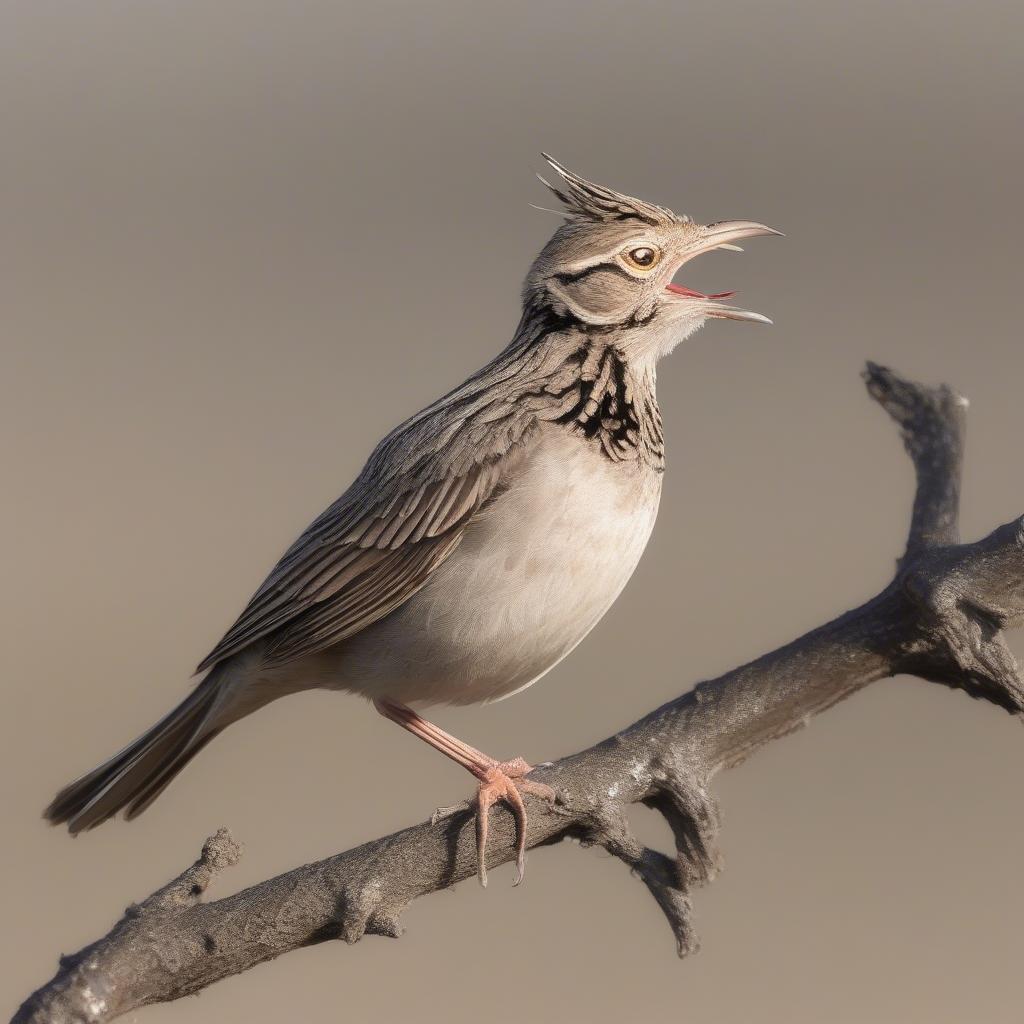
(381, 540)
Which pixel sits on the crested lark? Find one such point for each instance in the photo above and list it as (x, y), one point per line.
(486, 535)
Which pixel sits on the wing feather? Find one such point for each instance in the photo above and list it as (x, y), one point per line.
(363, 558)
(409, 507)
(402, 573)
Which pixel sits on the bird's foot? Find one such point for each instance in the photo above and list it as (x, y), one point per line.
(505, 780)
(499, 780)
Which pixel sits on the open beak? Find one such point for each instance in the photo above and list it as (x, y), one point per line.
(723, 235)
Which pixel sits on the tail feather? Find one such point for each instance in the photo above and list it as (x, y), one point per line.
(134, 777)
(163, 778)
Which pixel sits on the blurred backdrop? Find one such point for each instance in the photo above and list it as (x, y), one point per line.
(241, 240)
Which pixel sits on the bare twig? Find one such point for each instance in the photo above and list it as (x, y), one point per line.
(942, 618)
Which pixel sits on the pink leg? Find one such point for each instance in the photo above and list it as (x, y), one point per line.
(499, 780)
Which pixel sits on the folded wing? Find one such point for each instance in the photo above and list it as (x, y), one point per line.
(382, 539)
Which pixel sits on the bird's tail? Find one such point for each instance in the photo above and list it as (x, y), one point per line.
(134, 778)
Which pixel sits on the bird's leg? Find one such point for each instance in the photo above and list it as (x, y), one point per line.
(499, 780)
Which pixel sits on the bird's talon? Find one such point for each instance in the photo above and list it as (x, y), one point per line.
(506, 781)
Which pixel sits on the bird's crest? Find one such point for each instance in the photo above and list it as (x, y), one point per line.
(585, 201)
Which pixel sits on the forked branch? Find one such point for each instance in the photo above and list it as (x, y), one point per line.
(941, 618)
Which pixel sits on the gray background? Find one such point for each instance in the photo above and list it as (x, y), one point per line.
(242, 239)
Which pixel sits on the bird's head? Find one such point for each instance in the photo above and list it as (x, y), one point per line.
(611, 265)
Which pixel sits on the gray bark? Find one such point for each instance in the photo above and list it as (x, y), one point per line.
(941, 618)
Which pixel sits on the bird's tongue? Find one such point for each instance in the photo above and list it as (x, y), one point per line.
(681, 290)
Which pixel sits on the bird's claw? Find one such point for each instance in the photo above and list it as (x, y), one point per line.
(505, 780)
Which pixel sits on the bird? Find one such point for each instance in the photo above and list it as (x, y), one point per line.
(486, 535)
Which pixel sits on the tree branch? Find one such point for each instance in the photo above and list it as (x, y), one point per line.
(942, 618)
(933, 421)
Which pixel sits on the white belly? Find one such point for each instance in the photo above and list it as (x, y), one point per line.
(530, 579)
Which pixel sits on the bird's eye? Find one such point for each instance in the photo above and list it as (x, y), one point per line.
(642, 258)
